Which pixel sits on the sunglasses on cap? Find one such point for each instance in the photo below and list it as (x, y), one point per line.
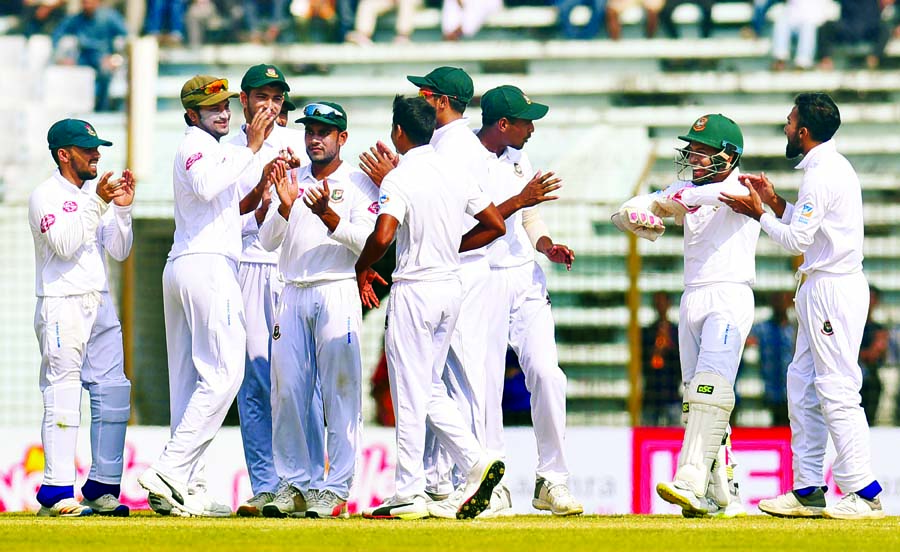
(322, 110)
(426, 93)
(214, 87)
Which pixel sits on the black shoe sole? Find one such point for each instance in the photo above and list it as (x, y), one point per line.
(481, 500)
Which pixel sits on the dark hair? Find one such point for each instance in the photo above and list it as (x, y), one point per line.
(457, 105)
(819, 114)
(415, 117)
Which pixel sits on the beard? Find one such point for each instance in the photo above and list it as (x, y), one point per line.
(793, 149)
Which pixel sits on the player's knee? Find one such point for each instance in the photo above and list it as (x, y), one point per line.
(111, 402)
(62, 404)
(709, 388)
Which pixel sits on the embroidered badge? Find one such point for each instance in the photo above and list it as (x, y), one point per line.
(70, 206)
(383, 199)
(518, 169)
(276, 332)
(374, 207)
(700, 124)
(827, 329)
(271, 73)
(193, 159)
(90, 130)
(47, 222)
(337, 195)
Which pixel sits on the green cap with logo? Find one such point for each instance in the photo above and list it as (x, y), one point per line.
(716, 130)
(204, 91)
(510, 102)
(447, 81)
(74, 132)
(262, 75)
(329, 113)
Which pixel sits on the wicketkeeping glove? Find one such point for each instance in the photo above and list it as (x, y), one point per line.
(641, 222)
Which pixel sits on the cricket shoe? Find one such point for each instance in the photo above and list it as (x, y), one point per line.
(479, 486)
(732, 510)
(67, 507)
(211, 508)
(253, 507)
(448, 507)
(399, 507)
(555, 498)
(792, 505)
(326, 504)
(159, 505)
(501, 504)
(680, 494)
(107, 505)
(181, 501)
(853, 506)
(288, 502)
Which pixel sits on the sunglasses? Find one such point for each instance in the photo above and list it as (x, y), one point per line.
(214, 87)
(426, 93)
(322, 110)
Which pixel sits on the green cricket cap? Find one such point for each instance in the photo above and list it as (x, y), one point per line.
(447, 81)
(204, 91)
(74, 132)
(716, 130)
(262, 75)
(288, 105)
(510, 102)
(329, 113)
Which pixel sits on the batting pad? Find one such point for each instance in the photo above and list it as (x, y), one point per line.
(721, 474)
(59, 432)
(110, 410)
(711, 400)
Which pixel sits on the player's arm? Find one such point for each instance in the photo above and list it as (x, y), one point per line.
(806, 219)
(275, 226)
(539, 236)
(211, 172)
(354, 232)
(376, 246)
(490, 227)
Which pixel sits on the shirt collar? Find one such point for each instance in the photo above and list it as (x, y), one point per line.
(339, 175)
(417, 151)
(822, 149)
(439, 133)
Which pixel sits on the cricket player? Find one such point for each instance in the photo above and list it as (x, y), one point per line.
(205, 329)
(319, 318)
(286, 107)
(75, 320)
(519, 290)
(717, 305)
(424, 202)
(824, 378)
(262, 89)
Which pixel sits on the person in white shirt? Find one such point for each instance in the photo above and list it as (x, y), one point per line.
(519, 291)
(75, 320)
(263, 87)
(803, 19)
(205, 327)
(824, 379)
(717, 305)
(424, 202)
(318, 319)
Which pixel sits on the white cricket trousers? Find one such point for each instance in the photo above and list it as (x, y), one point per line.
(520, 294)
(317, 340)
(367, 13)
(714, 322)
(468, 17)
(420, 320)
(206, 340)
(824, 379)
(80, 340)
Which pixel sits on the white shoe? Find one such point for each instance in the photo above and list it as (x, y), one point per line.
(501, 504)
(288, 502)
(479, 485)
(449, 507)
(853, 506)
(253, 507)
(790, 505)
(67, 507)
(181, 501)
(211, 508)
(555, 498)
(107, 505)
(399, 507)
(680, 494)
(326, 504)
(159, 504)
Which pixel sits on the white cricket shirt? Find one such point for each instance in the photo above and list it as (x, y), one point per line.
(280, 138)
(510, 172)
(434, 200)
(71, 227)
(826, 225)
(459, 144)
(310, 254)
(207, 204)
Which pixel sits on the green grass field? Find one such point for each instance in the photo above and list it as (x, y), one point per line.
(150, 533)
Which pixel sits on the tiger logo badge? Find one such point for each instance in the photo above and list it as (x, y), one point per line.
(700, 124)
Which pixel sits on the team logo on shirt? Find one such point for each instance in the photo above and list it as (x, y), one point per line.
(700, 124)
(276, 332)
(518, 169)
(47, 222)
(827, 329)
(806, 213)
(374, 207)
(383, 199)
(337, 195)
(70, 206)
(193, 159)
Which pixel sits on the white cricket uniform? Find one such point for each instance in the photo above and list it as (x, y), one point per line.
(76, 325)
(261, 286)
(318, 321)
(468, 16)
(205, 328)
(478, 323)
(518, 290)
(824, 378)
(432, 199)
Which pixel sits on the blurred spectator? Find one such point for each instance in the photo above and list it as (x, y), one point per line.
(580, 32)
(205, 17)
(758, 21)
(93, 37)
(800, 18)
(367, 14)
(775, 338)
(516, 397)
(860, 23)
(661, 368)
(872, 356)
(42, 16)
(168, 15)
(266, 19)
(614, 9)
(346, 17)
(381, 392)
(464, 18)
(706, 20)
(318, 23)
